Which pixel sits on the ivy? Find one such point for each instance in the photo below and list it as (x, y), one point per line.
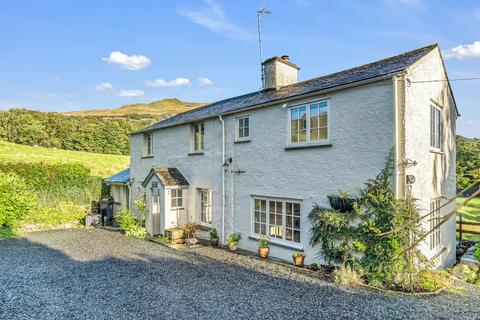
(357, 238)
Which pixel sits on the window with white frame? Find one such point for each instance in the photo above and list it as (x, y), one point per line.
(243, 128)
(435, 127)
(277, 219)
(198, 137)
(176, 198)
(206, 206)
(148, 144)
(309, 123)
(434, 224)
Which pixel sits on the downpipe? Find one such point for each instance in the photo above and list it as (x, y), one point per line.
(223, 178)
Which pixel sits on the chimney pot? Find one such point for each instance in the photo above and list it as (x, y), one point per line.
(285, 57)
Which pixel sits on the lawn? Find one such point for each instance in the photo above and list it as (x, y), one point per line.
(471, 213)
(102, 165)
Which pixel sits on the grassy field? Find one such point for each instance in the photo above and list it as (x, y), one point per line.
(471, 213)
(158, 109)
(101, 165)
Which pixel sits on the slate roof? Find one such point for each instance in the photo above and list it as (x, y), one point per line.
(119, 177)
(168, 177)
(383, 67)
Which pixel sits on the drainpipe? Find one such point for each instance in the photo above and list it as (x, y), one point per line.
(223, 178)
(233, 189)
(400, 156)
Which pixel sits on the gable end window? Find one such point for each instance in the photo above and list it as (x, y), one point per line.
(435, 127)
(434, 220)
(243, 128)
(198, 137)
(309, 123)
(148, 144)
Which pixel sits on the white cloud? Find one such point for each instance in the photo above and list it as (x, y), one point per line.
(214, 18)
(464, 51)
(204, 81)
(133, 62)
(131, 93)
(104, 86)
(160, 83)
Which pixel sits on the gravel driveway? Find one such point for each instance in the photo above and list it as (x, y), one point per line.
(99, 274)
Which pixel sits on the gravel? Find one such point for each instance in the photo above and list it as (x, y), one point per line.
(100, 274)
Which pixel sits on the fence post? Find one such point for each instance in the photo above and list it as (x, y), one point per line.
(461, 226)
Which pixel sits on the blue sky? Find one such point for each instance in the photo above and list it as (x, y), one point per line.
(71, 55)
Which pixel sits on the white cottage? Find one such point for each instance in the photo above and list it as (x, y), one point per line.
(257, 163)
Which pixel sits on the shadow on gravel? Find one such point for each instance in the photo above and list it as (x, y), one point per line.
(41, 282)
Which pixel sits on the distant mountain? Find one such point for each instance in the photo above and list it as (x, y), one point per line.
(157, 110)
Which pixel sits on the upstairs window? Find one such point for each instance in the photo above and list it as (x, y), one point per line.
(243, 128)
(435, 127)
(198, 137)
(309, 123)
(148, 144)
(176, 199)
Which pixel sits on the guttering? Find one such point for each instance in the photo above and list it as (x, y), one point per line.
(384, 77)
(223, 178)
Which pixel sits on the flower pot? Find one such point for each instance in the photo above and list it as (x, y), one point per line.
(263, 252)
(233, 246)
(298, 261)
(214, 242)
(342, 204)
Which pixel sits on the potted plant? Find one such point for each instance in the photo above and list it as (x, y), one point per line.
(263, 247)
(343, 201)
(298, 259)
(214, 237)
(189, 230)
(233, 240)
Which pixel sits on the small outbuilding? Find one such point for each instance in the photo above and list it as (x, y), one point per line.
(120, 185)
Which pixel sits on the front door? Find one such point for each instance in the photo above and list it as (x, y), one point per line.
(155, 210)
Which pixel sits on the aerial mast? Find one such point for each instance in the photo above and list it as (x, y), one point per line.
(260, 13)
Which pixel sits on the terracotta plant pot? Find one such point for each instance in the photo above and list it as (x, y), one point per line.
(214, 242)
(263, 252)
(233, 246)
(298, 261)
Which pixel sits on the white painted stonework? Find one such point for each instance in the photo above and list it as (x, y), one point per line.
(362, 124)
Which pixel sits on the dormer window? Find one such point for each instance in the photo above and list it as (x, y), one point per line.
(148, 144)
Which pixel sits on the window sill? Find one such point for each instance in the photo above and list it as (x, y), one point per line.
(196, 153)
(436, 151)
(147, 156)
(308, 145)
(242, 141)
(273, 242)
(439, 253)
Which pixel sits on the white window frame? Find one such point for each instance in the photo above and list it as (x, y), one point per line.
(308, 106)
(434, 221)
(436, 127)
(201, 128)
(174, 199)
(282, 240)
(237, 128)
(148, 144)
(206, 209)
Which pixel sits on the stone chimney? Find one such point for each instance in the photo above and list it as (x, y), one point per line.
(279, 72)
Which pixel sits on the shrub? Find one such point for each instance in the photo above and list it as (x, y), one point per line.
(476, 253)
(16, 201)
(347, 275)
(55, 214)
(130, 225)
(433, 281)
(189, 229)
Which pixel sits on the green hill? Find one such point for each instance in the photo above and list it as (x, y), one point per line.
(101, 165)
(158, 110)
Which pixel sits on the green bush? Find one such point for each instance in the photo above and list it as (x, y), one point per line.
(476, 253)
(130, 225)
(433, 281)
(16, 200)
(55, 214)
(346, 275)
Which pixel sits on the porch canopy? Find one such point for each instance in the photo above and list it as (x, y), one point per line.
(169, 177)
(122, 177)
